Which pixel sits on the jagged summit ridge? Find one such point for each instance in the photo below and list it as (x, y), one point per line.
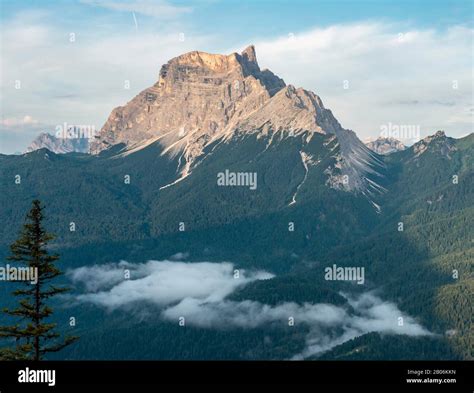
(437, 142)
(59, 145)
(218, 67)
(201, 98)
(196, 96)
(385, 146)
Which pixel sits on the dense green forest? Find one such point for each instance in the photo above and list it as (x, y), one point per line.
(426, 269)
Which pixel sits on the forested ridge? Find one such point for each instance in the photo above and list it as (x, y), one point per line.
(426, 268)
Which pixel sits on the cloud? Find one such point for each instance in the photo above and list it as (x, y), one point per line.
(18, 122)
(179, 256)
(81, 81)
(19, 129)
(154, 8)
(371, 314)
(160, 282)
(394, 75)
(199, 293)
(329, 325)
(251, 314)
(97, 277)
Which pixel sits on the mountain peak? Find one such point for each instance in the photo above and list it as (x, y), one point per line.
(437, 136)
(249, 54)
(437, 142)
(59, 145)
(385, 146)
(188, 63)
(197, 92)
(214, 62)
(201, 98)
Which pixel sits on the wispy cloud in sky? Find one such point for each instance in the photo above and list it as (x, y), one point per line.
(74, 76)
(155, 8)
(74, 66)
(393, 75)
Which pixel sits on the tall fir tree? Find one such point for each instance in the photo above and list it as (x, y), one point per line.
(34, 336)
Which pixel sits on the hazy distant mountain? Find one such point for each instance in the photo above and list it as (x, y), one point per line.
(59, 145)
(385, 145)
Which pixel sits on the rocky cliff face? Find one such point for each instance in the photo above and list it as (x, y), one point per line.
(202, 98)
(197, 97)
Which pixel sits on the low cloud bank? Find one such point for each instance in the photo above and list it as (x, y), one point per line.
(198, 292)
(160, 282)
(371, 314)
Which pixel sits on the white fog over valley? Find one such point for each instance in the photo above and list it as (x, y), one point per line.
(198, 292)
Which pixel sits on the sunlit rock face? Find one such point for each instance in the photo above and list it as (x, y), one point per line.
(203, 98)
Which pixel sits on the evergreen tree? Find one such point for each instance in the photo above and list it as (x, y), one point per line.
(34, 336)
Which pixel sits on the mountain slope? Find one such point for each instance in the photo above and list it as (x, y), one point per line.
(321, 197)
(203, 100)
(146, 209)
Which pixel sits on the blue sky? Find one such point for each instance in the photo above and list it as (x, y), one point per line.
(259, 16)
(401, 58)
